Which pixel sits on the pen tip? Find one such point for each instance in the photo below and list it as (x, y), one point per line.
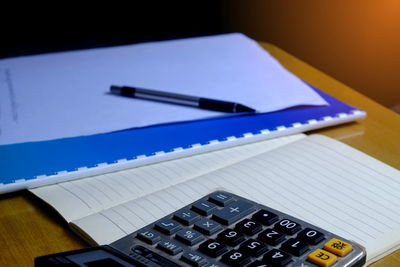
(242, 108)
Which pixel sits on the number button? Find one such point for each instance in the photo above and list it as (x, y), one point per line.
(249, 227)
(271, 237)
(287, 226)
(235, 258)
(311, 236)
(295, 247)
(265, 217)
(276, 257)
(231, 237)
(213, 248)
(253, 247)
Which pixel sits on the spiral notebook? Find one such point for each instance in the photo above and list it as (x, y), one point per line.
(315, 178)
(33, 164)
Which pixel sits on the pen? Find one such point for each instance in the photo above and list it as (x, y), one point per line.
(200, 102)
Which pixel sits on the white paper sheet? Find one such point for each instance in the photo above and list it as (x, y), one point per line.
(65, 94)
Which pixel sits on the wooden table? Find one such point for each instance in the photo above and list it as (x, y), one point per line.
(29, 228)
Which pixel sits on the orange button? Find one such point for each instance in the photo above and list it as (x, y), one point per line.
(338, 247)
(322, 258)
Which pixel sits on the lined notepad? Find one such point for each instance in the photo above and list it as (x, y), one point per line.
(315, 178)
(87, 196)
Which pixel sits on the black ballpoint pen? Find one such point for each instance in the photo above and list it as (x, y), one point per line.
(200, 102)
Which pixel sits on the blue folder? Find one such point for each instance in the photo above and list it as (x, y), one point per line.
(33, 164)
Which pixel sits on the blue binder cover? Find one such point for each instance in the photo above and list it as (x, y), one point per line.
(33, 164)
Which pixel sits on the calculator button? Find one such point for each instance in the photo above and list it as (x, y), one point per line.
(170, 247)
(219, 198)
(265, 217)
(193, 258)
(151, 256)
(271, 237)
(249, 227)
(186, 216)
(257, 263)
(213, 264)
(231, 237)
(322, 258)
(253, 247)
(287, 226)
(168, 226)
(203, 207)
(235, 258)
(295, 247)
(207, 226)
(148, 236)
(338, 247)
(276, 257)
(311, 236)
(213, 248)
(233, 212)
(189, 236)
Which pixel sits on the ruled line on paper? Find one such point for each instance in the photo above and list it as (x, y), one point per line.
(99, 192)
(363, 182)
(112, 222)
(142, 207)
(129, 213)
(323, 182)
(107, 190)
(76, 195)
(313, 180)
(312, 201)
(112, 188)
(124, 222)
(365, 168)
(361, 160)
(84, 193)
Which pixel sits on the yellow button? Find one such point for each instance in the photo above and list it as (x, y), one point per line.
(338, 247)
(322, 258)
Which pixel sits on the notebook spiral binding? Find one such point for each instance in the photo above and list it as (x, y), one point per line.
(233, 140)
(179, 152)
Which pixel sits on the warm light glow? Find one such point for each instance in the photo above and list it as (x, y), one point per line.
(356, 42)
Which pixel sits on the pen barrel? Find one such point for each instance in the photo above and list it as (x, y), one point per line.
(166, 97)
(187, 100)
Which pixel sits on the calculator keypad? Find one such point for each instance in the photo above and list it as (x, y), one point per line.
(224, 229)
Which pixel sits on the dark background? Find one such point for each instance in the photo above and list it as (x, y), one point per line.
(33, 30)
(356, 42)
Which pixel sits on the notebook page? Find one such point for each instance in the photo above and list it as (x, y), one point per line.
(87, 196)
(317, 179)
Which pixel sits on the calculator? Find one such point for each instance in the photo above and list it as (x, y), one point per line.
(221, 229)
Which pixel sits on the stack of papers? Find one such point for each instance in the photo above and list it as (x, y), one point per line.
(60, 95)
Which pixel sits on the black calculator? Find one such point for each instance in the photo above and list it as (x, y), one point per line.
(221, 229)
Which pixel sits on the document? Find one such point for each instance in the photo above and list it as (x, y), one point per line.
(66, 94)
